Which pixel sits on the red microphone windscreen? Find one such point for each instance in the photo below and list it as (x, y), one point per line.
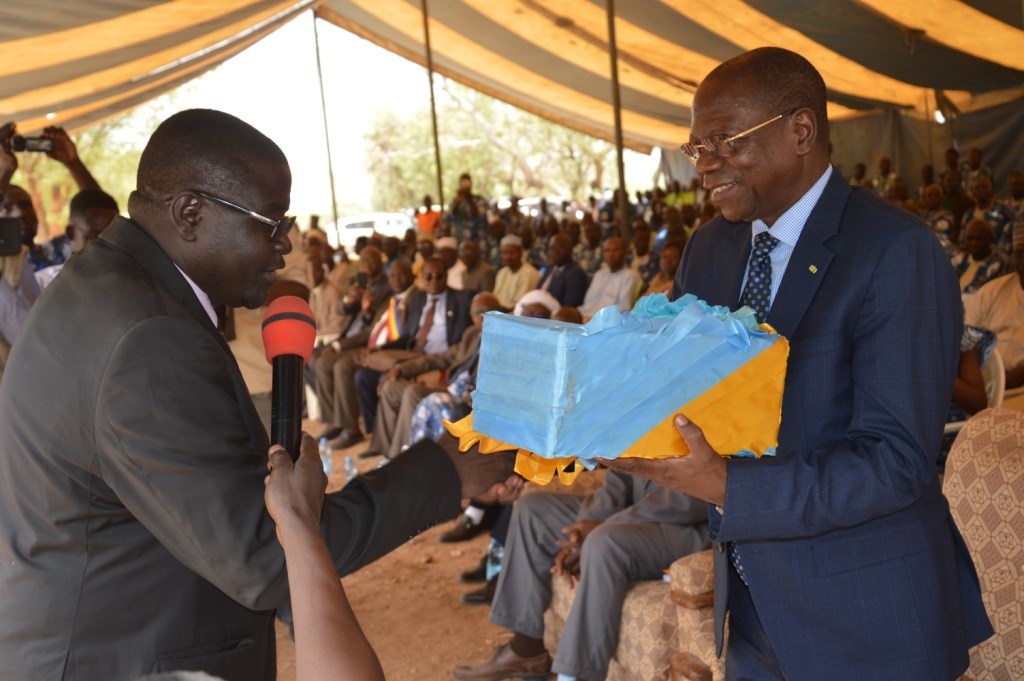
(289, 328)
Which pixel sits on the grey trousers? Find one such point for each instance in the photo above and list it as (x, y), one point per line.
(336, 388)
(613, 556)
(392, 426)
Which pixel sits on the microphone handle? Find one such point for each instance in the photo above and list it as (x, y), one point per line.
(286, 408)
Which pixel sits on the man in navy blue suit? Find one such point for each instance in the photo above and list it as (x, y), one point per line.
(837, 558)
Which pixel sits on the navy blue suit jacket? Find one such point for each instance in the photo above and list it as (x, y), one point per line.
(853, 560)
(569, 286)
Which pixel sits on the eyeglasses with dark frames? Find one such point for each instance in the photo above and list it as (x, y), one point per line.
(280, 228)
(722, 145)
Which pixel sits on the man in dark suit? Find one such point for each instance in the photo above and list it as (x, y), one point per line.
(400, 392)
(564, 279)
(133, 532)
(837, 558)
(436, 320)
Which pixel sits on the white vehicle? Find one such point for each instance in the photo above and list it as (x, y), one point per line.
(351, 228)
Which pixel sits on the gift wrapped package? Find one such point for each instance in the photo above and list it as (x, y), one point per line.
(562, 392)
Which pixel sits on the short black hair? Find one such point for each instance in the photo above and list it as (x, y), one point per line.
(204, 147)
(92, 198)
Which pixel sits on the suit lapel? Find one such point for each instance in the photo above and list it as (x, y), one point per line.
(730, 265)
(133, 240)
(811, 258)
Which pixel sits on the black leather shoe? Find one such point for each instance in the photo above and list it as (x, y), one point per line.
(346, 440)
(368, 453)
(482, 596)
(464, 530)
(506, 665)
(477, 574)
(330, 433)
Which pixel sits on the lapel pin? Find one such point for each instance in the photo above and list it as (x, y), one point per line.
(813, 269)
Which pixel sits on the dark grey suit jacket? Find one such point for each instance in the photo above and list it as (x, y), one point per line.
(853, 560)
(133, 533)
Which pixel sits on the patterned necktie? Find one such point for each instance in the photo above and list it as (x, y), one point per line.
(428, 321)
(757, 294)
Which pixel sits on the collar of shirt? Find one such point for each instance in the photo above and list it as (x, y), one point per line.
(788, 228)
(204, 299)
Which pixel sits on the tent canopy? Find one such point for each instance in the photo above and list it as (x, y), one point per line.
(75, 63)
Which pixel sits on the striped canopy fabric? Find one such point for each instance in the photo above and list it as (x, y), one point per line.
(76, 62)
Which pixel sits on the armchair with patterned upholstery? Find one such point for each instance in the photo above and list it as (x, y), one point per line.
(693, 592)
(984, 484)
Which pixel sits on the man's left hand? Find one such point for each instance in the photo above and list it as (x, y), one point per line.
(486, 478)
(701, 474)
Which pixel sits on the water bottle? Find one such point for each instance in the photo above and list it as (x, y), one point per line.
(351, 470)
(495, 554)
(325, 455)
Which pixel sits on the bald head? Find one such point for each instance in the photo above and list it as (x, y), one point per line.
(781, 81)
(202, 149)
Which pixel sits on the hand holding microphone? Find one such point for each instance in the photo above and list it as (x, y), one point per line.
(289, 331)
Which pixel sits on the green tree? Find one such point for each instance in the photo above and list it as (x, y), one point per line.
(506, 150)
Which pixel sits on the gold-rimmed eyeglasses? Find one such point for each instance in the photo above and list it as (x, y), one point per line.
(280, 228)
(722, 145)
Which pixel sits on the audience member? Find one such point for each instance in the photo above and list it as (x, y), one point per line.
(882, 182)
(940, 220)
(979, 262)
(427, 219)
(1014, 199)
(364, 303)
(973, 169)
(639, 257)
(567, 314)
(860, 172)
(89, 213)
(447, 249)
(477, 273)
(671, 256)
(516, 277)
(392, 250)
(999, 307)
(629, 530)
(999, 217)
(956, 201)
(564, 278)
(464, 218)
(614, 284)
(588, 253)
(536, 304)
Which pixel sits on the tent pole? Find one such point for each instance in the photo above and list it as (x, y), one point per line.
(327, 136)
(433, 104)
(626, 225)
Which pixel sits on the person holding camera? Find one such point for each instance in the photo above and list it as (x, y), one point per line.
(464, 218)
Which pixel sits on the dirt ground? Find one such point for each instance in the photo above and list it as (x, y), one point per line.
(408, 604)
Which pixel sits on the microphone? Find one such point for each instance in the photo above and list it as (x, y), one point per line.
(289, 331)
